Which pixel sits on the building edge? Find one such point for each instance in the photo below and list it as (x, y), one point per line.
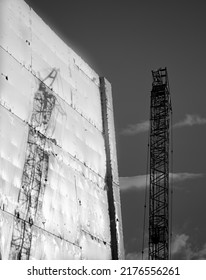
(112, 179)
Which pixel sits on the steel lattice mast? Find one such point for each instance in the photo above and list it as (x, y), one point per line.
(159, 167)
(35, 171)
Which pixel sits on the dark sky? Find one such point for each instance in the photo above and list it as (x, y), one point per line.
(124, 41)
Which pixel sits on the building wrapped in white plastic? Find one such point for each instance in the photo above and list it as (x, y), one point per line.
(59, 187)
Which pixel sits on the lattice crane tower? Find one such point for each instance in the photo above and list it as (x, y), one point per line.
(160, 112)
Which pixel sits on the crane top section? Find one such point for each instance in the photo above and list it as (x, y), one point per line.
(160, 85)
(160, 77)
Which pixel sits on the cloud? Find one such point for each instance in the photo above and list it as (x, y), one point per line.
(139, 182)
(133, 129)
(201, 254)
(137, 255)
(182, 249)
(133, 256)
(143, 126)
(191, 120)
(179, 243)
(179, 177)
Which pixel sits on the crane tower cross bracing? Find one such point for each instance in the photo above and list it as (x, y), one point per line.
(159, 166)
(34, 172)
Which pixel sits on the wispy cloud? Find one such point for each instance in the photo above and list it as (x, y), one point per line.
(143, 126)
(179, 177)
(139, 182)
(133, 129)
(191, 120)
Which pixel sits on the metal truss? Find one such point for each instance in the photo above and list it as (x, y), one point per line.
(159, 167)
(35, 171)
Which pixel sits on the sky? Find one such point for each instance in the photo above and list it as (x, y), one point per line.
(124, 41)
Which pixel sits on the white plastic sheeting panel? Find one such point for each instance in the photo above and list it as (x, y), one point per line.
(15, 31)
(93, 209)
(13, 138)
(77, 83)
(78, 137)
(72, 132)
(73, 221)
(93, 249)
(60, 213)
(46, 246)
(6, 224)
(86, 98)
(17, 86)
(32, 43)
(43, 59)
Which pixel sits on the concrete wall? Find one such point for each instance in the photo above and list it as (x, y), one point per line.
(80, 215)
